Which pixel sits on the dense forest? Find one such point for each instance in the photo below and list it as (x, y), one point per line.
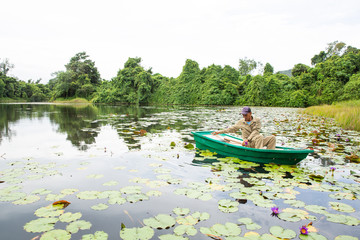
(334, 76)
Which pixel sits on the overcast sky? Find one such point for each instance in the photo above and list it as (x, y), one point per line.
(40, 36)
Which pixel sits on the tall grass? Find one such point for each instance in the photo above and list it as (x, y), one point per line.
(69, 100)
(347, 114)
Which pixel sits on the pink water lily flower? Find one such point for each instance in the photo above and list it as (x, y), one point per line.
(275, 210)
(304, 230)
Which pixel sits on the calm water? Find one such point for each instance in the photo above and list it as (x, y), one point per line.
(56, 147)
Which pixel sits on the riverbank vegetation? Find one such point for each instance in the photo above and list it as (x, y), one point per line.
(347, 114)
(334, 76)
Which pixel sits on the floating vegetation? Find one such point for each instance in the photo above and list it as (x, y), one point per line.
(204, 193)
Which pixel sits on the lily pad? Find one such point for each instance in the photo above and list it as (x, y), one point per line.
(250, 225)
(74, 227)
(98, 235)
(280, 232)
(161, 221)
(27, 200)
(339, 218)
(316, 209)
(228, 229)
(111, 183)
(228, 206)
(41, 191)
(100, 207)
(49, 211)
(181, 211)
(69, 191)
(172, 237)
(342, 207)
(312, 236)
(40, 225)
(70, 217)
(131, 190)
(185, 229)
(133, 198)
(144, 233)
(153, 193)
(57, 234)
(88, 195)
(346, 237)
(295, 203)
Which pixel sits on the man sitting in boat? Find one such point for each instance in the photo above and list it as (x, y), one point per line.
(250, 128)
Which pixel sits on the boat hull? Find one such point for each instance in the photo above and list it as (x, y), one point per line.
(281, 155)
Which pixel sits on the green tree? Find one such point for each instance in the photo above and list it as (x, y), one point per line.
(298, 69)
(268, 69)
(246, 66)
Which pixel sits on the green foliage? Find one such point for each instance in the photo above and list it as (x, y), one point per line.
(268, 69)
(246, 66)
(299, 69)
(79, 79)
(335, 76)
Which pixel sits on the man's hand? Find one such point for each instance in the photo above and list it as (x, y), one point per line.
(245, 142)
(215, 133)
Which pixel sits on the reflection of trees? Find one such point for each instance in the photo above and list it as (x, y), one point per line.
(7, 116)
(77, 122)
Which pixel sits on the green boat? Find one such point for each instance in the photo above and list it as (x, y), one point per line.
(230, 146)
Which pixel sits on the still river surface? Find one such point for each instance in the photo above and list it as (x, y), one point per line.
(54, 152)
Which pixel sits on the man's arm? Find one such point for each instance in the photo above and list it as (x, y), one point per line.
(232, 129)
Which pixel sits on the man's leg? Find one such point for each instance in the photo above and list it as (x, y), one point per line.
(257, 142)
(270, 142)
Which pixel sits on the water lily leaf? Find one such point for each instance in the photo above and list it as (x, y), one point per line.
(201, 216)
(34, 177)
(41, 191)
(316, 209)
(172, 237)
(290, 217)
(267, 236)
(143, 233)
(99, 207)
(12, 196)
(280, 232)
(116, 199)
(295, 203)
(164, 177)
(69, 191)
(61, 203)
(346, 237)
(133, 198)
(131, 189)
(160, 221)
(250, 225)
(312, 236)
(95, 176)
(70, 217)
(343, 195)
(228, 229)
(74, 227)
(40, 225)
(119, 168)
(49, 211)
(339, 218)
(342, 207)
(181, 211)
(174, 181)
(188, 220)
(57, 234)
(88, 195)
(153, 193)
(54, 197)
(98, 235)
(228, 206)
(27, 200)
(111, 183)
(189, 146)
(185, 229)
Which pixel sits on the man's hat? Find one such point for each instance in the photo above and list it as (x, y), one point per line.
(246, 110)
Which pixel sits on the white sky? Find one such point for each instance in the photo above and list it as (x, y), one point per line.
(40, 36)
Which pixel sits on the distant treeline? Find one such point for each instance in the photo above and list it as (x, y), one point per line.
(334, 76)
